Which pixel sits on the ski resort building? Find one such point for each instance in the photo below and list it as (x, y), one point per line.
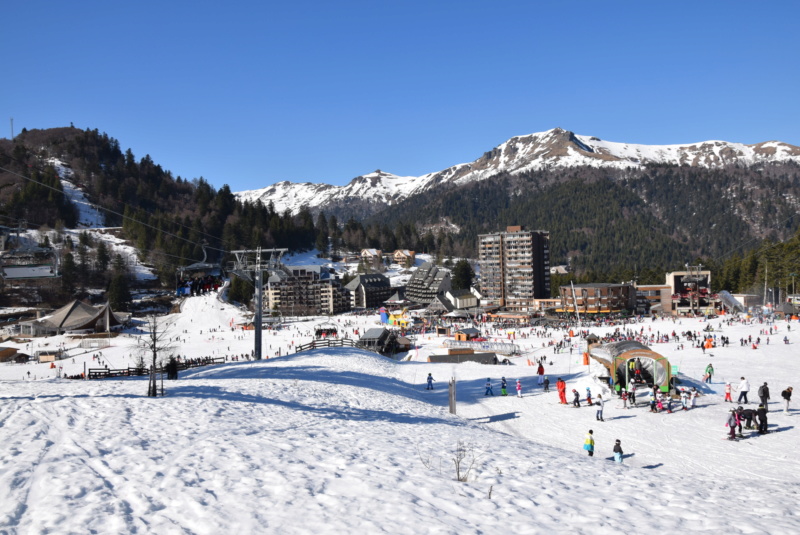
(515, 268)
(597, 298)
(77, 316)
(427, 283)
(305, 290)
(369, 291)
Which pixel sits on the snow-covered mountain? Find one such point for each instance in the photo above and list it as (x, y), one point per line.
(556, 148)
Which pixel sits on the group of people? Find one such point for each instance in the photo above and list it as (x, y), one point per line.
(588, 446)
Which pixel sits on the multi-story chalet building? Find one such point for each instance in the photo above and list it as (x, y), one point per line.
(369, 291)
(515, 267)
(427, 282)
(598, 298)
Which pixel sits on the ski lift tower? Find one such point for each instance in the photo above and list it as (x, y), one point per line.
(691, 282)
(251, 265)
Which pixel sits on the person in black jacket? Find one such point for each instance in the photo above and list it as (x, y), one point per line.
(763, 395)
(787, 397)
(748, 415)
(762, 420)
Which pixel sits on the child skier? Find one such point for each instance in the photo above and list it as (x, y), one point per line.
(489, 391)
(576, 398)
(728, 393)
(618, 451)
(588, 396)
(519, 389)
(685, 399)
(503, 386)
(430, 382)
(733, 421)
(693, 395)
(588, 444)
(546, 384)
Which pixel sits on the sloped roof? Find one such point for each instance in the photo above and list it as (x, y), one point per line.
(78, 315)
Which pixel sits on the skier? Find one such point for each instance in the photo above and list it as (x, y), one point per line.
(430, 382)
(618, 451)
(763, 395)
(694, 395)
(732, 422)
(762, 420)
(503, 387)
(747, 415)
(489, 390)
(632, 393)
(728, 393)
(787, 397)
(600, 403)
(547, 384)
(576, 398)
(588, 444)
(561, 385)
(588, 396)
(684, 399)
(519, 389)
(540, 372)
(624, 396)
(744, 388)
(709, 373)
(653, 400)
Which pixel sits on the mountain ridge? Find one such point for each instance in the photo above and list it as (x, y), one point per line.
(553, 149)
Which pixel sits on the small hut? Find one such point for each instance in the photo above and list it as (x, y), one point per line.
(628, 356)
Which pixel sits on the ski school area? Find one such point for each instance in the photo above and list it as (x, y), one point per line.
(667, 449)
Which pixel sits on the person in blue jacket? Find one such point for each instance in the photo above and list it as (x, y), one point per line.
(489, 391)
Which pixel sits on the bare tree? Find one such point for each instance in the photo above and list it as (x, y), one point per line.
(157, 344)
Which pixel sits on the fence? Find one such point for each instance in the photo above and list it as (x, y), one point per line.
(105, 373)
(328, 342)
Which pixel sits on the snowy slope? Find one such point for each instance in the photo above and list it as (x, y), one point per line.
(552, 149)
(342, 441)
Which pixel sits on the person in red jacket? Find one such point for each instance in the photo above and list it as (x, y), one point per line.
(561, 385)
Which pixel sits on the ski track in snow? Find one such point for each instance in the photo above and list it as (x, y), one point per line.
(339, 441)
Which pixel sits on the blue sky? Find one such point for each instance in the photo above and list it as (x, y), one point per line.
(251, 93)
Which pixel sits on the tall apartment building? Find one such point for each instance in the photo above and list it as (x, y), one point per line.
(515, 267)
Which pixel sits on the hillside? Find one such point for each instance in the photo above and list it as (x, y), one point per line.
(340, 440)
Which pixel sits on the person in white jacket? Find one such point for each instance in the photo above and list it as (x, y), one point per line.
(744, 388)
(599, 402)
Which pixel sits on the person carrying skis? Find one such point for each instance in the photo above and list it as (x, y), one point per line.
(576, 398)
(503, 386)
(489, 391)
(600, 403)
(618, 452)
(430, 382)
(588, 443)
